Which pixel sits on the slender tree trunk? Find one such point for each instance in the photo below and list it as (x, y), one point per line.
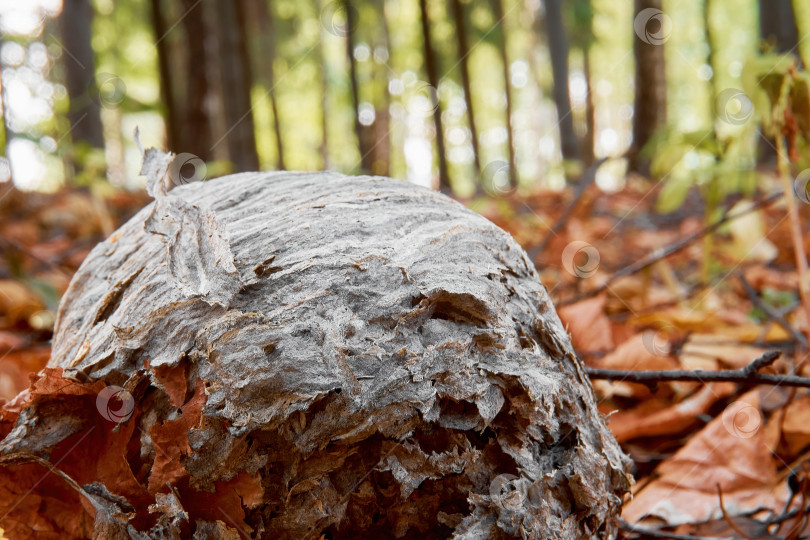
(170, 113)
(324, 113)
(433, 80)
(197, 124)
(271, 83)
(8, 133)
(538, 113)
(558, 50)
(710, 56)
(590, 109)
(264, 56)
(234, 67)
(382, 120)
(649, 113)
(777, 25)
(464, 53)
(324, 100)
(510, 138)
(277, 130)
(84, 115)
(359, 129)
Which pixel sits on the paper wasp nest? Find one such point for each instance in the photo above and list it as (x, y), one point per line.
(310, 355)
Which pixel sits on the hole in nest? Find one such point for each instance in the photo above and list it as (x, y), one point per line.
(460, 308)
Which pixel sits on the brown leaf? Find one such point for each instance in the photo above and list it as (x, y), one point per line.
(730, 452)
(655, 417)
(588, 325)
(171, 442)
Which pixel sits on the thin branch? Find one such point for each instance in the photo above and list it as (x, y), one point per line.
(25, 251)
(787, 515)
(726, 517)
(772, 313)
(796, 235)
(651, 533)
(748, 376)
(665, 252)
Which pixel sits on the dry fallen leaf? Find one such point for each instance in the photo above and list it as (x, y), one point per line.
(657, 417)
(730, 452)
(796, 425)
(588, 325)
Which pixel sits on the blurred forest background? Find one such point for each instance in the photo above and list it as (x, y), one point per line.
(650, 155)
(475, 94)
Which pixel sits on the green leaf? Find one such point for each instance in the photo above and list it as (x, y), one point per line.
(46, 292)
(673, 193)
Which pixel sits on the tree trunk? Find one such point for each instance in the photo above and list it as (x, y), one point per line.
(228, 22)
(464, 66)
(264, 37)
(590, 110)
(510, 138)
(649, 111)
(711, 59)
(382, 118)
(558, 50)
(359, 129)
(309, 375)
(84, 114)
(197, 127)
(171, 115)
(536, 67)
(777, 25)
(8, 133)
(324, 99)
(433, 79)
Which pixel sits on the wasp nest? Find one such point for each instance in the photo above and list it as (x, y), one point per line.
(308, 355)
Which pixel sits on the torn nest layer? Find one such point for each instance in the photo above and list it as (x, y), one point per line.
(302, 354)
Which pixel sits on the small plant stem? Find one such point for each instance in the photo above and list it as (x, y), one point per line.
(708, 242)
(795, 230)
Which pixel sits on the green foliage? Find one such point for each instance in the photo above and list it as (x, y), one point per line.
(721, 164)
(90, 164)
(124, 44)
(694, 152)
(578, 17)
(44, 290)
(778, 300)
(717, 167)
(780, 90)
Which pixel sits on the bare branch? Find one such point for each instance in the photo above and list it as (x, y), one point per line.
(663, 253)
(748, 376)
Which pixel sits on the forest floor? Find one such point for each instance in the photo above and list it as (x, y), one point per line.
(712, 459)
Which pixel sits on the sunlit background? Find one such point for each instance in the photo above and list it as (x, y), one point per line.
(312, 76)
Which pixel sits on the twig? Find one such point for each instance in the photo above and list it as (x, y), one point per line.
(586, 180)
(726, 517)
(665, 252)
(801, 523)
(748, 376)
(22, 249)
(772, 313)
(795, 228)
(651, 533)
(781, 518)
